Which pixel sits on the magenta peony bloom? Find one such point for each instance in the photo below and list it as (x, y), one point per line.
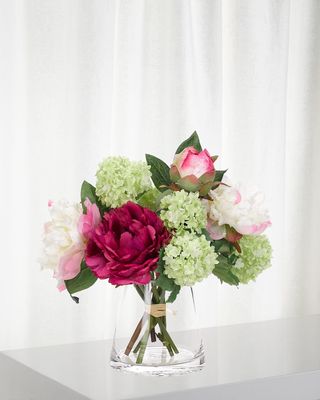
(125, 245)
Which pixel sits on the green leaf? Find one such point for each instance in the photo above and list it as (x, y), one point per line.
(223, 246)
(82, 281)
(159, 172)
(193, 140)
(165, 283)
(219, 175)
(149, 199)
(207, 236)
(89, 191)
(223, 272)
(233, 259)
(174, 294)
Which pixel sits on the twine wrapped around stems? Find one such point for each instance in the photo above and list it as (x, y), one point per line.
(156, 310)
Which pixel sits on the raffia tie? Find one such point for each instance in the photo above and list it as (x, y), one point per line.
(156, 310)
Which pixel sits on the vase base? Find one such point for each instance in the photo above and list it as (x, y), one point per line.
(156, 362)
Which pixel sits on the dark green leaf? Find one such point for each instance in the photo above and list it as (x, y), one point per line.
(223, 246)
(165, 283)
(149, 199)
(82, 281)
(223, 272)
(207, 235)
(159, 172)
(174, 294)
(193, 140)
(89, 191)
(232, 259)
(219, 175)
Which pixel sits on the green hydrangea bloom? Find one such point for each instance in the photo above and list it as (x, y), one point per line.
(254, 258)
(183, 210)
(120, 180)
(189, 259)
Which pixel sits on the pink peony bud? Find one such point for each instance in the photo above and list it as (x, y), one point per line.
(193, 170)
(192, 162)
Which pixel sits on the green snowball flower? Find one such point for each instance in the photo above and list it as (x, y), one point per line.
(183, 210)
(120, 180)
(254, 258)
(189, 259)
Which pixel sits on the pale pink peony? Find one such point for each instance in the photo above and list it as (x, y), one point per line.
(216, 231)
(69, 264)
(65, 238)
(90, 220)
(239, 207)
(61, 285)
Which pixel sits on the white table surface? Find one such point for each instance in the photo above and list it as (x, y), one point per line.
(265, 360)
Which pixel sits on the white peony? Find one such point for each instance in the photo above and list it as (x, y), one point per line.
(62, 239)
(240, 207)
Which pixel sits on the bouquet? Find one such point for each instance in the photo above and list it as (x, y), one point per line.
(147, 223)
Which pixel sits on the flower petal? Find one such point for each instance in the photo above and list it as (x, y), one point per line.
(70, 263)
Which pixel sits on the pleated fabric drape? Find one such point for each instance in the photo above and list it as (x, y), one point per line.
(81, 80)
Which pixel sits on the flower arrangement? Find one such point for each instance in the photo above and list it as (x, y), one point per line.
(166, 226)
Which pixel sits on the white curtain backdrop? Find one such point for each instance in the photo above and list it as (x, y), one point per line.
(81, 80)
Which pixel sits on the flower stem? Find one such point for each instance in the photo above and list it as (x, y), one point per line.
(135, 335)
(160, 337)
(140, 291)
(143, 346)
(153, 335)
(166, 336)
(136, 349)
(162, 321)
(158, 297)
(144, 340)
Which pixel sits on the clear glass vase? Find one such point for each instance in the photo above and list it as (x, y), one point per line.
(155, 337)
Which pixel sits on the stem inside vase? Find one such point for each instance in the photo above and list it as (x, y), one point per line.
(149, 322)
